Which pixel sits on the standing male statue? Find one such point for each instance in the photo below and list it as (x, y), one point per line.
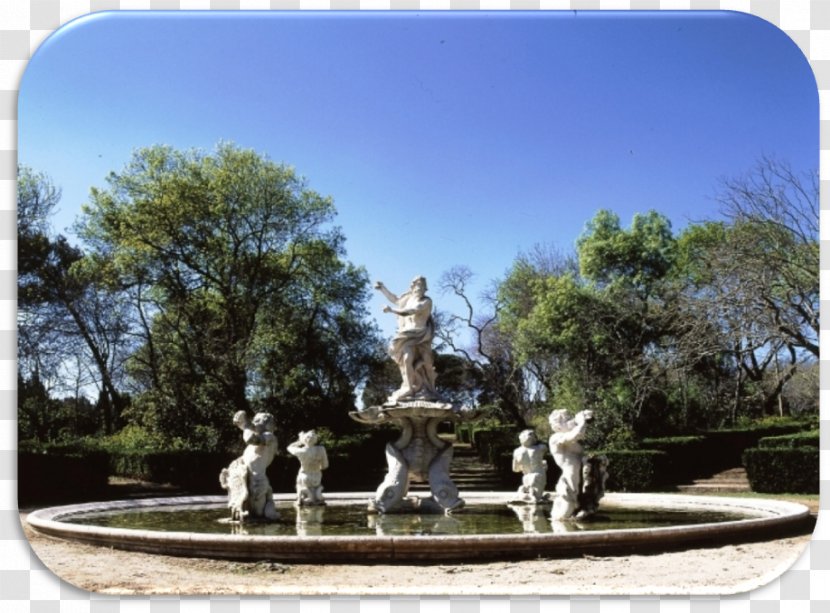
(411, 347)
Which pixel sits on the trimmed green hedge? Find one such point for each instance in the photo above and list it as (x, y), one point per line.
(692, 457)
(783, 470)
(791, 441)
(194, 471)
(642, 470)
(686, 456)
(725, 447)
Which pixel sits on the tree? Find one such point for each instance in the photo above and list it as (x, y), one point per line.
(65, 315)
(490, 361)
(774, 213)
(240, 295)
(753, 281)
(38, 338)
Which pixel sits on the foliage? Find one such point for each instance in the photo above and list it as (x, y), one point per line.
(65, 317)
(635, 470)
(490, 443)
(792, 441)
(212, 282)
(239, 294)
(41, 417)
(661, 334)
(780, 470)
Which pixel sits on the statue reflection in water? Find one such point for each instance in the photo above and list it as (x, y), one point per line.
(534, 519)
(399, 524)
(310, 520)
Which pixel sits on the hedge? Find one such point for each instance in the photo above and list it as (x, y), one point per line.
(692, 457)
(791, 441)
(725, 447)
(783, 470)
(193, 471)
(687, 457)
(641, 470)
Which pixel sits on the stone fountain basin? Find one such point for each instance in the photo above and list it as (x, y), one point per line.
(763, 519)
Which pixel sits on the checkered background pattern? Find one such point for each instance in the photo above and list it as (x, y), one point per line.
(27, 586)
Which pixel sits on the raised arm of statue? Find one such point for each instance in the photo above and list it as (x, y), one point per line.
(385, 291)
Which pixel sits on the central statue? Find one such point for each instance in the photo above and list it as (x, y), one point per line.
(411, 348)
(417, 409)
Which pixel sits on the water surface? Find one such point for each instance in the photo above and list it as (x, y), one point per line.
(354, 520)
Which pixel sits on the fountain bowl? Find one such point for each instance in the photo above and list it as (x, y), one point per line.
(760, 519)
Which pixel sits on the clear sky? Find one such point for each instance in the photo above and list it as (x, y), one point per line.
(444, 139)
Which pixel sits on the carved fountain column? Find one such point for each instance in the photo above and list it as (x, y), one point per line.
(418, 455)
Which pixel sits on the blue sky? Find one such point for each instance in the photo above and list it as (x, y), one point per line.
(444, 139)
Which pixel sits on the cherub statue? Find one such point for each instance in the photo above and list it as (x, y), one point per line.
(313, 461)
(249, 492)
(529, 459)
(411, 348)
(572, 498)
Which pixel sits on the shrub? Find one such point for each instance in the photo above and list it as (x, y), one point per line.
(791, 441)
(194, 471)
(641, 470)
(724, 448)
(783, 470)
(687, 457)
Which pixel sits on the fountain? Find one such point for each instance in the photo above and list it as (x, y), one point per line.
(417, 409)
(397, 527)
(190, 526)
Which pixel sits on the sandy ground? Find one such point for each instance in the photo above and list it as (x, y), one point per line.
(721, 570)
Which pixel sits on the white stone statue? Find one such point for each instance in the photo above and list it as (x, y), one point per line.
(419, 455)
(411, 347)
(529, 459)
(313, 461)
(582, 483)
(249, 491)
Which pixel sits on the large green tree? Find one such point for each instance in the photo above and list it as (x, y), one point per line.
(241, 296)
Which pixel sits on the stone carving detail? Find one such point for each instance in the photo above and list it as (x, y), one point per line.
(529, 459)
(411, 348)
(313, 461)
(249, 492)
(582, 483)
(419, 454)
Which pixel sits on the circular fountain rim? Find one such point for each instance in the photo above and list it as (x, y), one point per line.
(766, 517)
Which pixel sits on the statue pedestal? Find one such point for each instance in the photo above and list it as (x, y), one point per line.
(418, 455)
